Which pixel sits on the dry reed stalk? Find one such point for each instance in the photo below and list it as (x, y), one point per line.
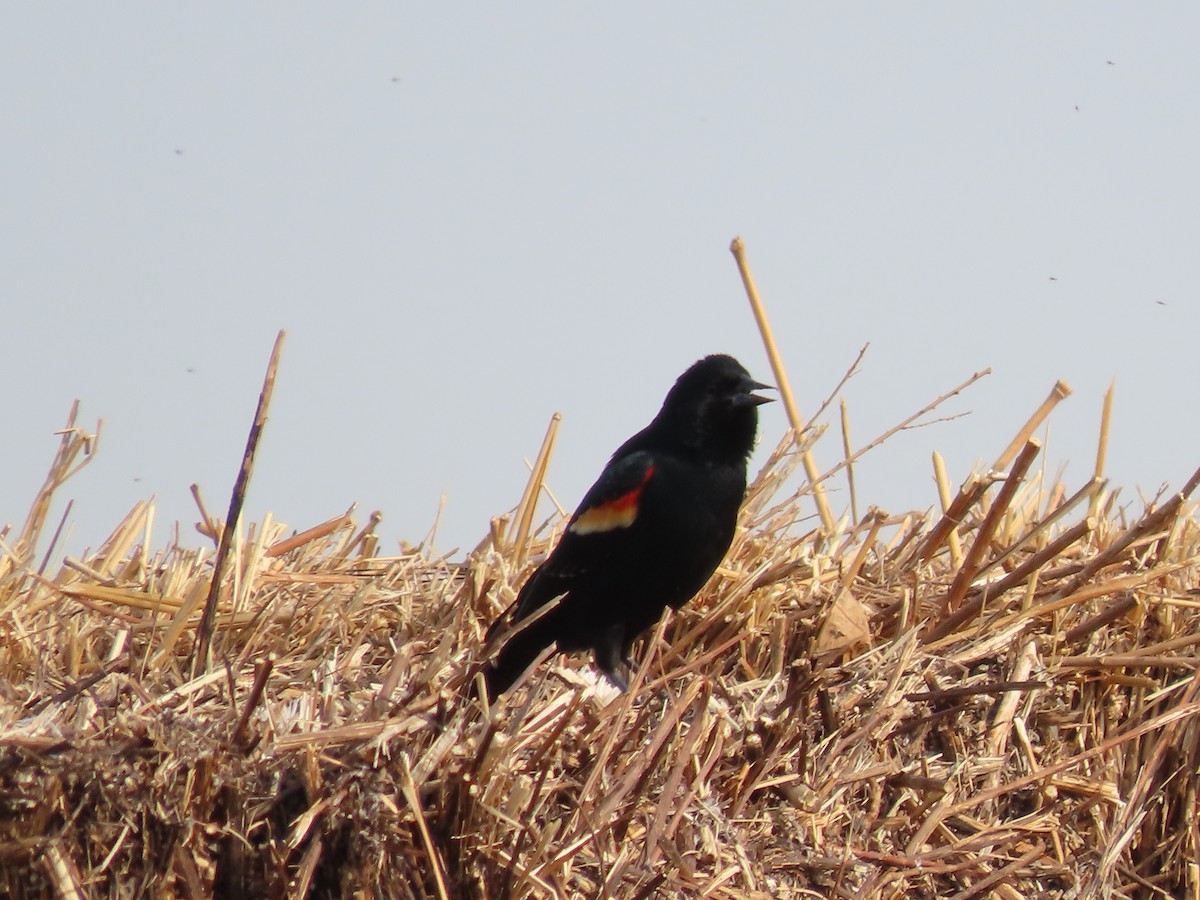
(993, 880)
(1058, 601)
(952, 518)
(944, 498)
(1022, 574)
(1059, 392)
(847, 456)
(1039, 533)
(1177, 714)
(533, 490)
(409, 788)
(261, 674)
(207, 526)
(202, 661)
(1137, 660)
(1115, 611)
(983, 537)
(1151, 524)
(1151, 651)
(63, 873)
(74, 443)
(738, 248)
(62, 522)
(1102, 443)
(1002, 722)
(279, 548)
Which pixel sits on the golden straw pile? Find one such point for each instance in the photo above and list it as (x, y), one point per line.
(996, 699)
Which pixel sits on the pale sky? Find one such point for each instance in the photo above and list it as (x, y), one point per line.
(469, 218)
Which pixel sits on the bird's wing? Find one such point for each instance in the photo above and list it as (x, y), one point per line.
(608, 508)
(614, 500)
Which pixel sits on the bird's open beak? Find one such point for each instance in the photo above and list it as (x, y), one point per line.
(754, 399)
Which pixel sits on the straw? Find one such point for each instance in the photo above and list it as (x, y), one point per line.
(1017, 717)
(738, 249)
(202, 661)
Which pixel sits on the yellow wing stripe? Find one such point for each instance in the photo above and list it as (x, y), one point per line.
(618, 513)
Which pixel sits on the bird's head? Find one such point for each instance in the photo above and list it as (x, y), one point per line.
(714, 408)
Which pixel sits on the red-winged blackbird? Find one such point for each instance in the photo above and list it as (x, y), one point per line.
(650, 531)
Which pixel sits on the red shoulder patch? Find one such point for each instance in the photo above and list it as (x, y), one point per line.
(612, 514)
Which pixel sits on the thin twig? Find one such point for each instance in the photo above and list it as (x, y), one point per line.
(849, 466)
(201, 660)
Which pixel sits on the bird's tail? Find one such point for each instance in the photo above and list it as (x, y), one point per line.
(517, 655)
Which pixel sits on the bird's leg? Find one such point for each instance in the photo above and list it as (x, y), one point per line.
(618, 679)
(611, 656)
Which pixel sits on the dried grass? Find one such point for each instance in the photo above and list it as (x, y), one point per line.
(994, 701)
(998, 700)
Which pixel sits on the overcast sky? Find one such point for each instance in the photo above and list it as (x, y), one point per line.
(468, 218)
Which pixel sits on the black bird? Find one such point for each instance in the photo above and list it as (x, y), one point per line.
(648, 533)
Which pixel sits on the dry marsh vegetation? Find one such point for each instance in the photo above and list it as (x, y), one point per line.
(997, 698)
